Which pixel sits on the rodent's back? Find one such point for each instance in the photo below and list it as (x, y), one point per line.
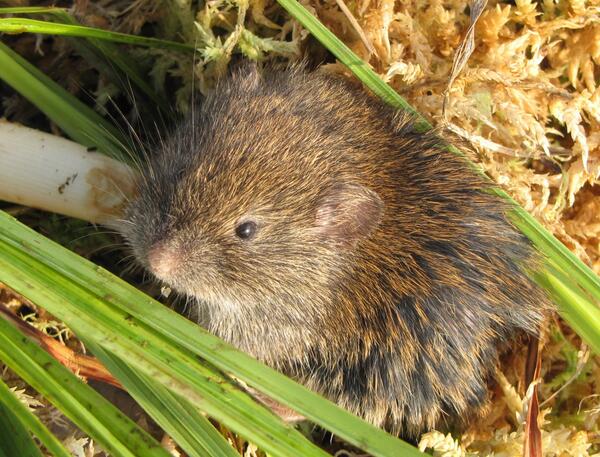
(382, 273)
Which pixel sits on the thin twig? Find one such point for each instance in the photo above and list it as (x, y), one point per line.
(532, 447)
(583, 356)
(465, 49)
(356, 26)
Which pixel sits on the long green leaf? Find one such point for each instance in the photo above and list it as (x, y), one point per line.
(14, 415)
(100, 53)
(78, 120)
(14, 437)
(108, 58)
(32, 10)
(564, 259)
(79, 402)
(175, 415)
(580, 312)
(22, 25)
(48, 288)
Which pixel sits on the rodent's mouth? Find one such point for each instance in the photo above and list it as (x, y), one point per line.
(182, 285)
(169, 281)
(168, 287)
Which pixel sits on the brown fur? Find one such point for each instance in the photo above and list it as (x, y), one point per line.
(382, 274)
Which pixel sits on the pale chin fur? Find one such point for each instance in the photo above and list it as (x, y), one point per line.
(234, 321)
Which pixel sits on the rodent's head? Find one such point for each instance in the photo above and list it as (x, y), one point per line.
(245, 203)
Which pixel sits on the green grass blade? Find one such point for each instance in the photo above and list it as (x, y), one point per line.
(100, 53)
(79, 402)
(576, 308)
(176, 416)
(31, 10)
(557, 252)
(23, 25)
(76, 119)
(15, 415)
(135, 306)
(14, 437)
(108, 57)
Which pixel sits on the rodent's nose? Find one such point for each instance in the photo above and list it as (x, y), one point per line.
(161, 259)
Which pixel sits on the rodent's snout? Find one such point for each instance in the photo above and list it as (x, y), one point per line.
(162, 260)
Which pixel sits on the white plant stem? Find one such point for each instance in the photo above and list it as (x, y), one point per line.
(51, 173)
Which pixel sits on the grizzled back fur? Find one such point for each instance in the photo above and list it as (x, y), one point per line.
(323, 234)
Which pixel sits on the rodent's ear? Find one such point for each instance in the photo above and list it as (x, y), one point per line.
(348, 213)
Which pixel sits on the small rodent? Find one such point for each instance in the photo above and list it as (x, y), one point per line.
(321, 233)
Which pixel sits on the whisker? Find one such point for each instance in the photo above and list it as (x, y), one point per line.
(131, 268)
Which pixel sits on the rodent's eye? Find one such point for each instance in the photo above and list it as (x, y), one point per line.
(246, 230)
